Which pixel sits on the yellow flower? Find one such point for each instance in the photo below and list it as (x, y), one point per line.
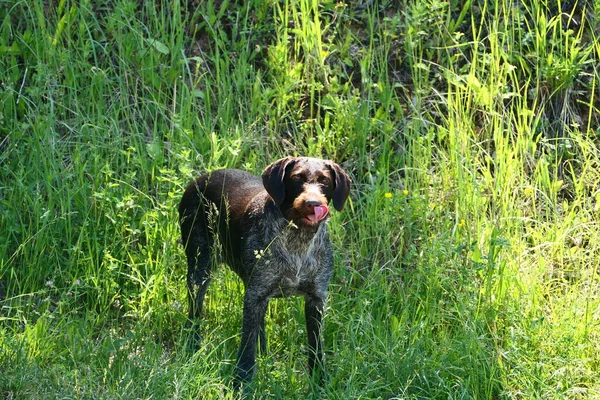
(388, 195)
(405, 192)
(461, 223)
(528, 191)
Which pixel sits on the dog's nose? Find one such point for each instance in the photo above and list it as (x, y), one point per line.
(312, 203)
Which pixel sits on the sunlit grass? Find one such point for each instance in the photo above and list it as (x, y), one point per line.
(465, 260)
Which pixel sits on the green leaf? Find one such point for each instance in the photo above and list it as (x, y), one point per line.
(159, 46)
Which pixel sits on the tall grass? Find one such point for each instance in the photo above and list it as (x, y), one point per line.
(465, 261)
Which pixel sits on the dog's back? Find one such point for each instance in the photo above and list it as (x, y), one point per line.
(217, 202)
(228, 189)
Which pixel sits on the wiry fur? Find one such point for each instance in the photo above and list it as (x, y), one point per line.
(266, 239)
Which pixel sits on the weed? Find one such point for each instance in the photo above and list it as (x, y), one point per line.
(466, 260)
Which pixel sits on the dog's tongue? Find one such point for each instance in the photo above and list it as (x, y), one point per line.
(320, 212)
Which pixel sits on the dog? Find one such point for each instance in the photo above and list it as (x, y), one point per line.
(272, 233)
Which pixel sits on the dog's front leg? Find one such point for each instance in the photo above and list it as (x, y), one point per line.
(313, 310)
(255, 308)
(262, 339)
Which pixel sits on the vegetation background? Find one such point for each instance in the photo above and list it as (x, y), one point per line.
(466, 262)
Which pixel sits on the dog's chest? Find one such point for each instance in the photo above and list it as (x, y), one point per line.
(297, 264)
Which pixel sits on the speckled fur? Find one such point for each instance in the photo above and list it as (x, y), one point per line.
(265, 237)
(289, 260)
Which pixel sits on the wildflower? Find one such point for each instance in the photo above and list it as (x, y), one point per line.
(528, 191)
(461, 223)
(405, 192)
(388, 195)
(49, 283)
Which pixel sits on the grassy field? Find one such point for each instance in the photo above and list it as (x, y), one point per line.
(466, 260)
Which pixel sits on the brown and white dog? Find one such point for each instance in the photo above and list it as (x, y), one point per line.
(273, 234)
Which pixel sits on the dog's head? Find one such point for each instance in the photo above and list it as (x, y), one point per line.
(303, 188)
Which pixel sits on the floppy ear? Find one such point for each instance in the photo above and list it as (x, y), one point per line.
(341, 189)
(273, 177)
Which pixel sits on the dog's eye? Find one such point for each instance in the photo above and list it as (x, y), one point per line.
(298, 178)
(323, 180)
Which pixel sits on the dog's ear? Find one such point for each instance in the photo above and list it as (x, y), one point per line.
(341, 189)
(273, 178)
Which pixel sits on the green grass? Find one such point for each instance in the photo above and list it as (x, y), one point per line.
(466, 261)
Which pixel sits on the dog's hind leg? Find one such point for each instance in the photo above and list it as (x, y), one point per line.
(199, 260)
(198, 276)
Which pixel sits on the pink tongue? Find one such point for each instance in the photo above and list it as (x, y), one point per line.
(320, 212)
